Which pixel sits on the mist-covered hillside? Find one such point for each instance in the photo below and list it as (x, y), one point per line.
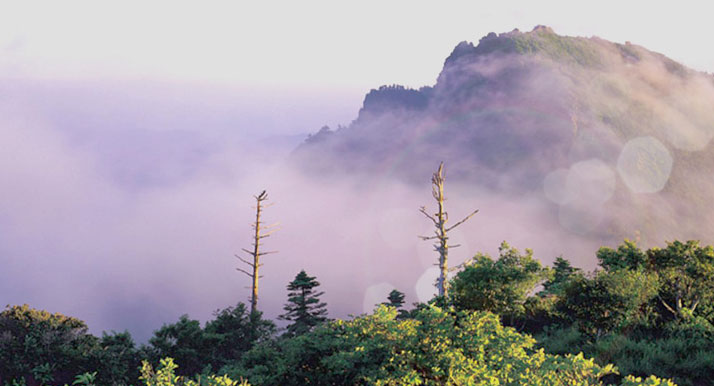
(613, 140)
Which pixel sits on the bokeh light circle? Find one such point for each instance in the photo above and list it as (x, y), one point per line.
(644, 165)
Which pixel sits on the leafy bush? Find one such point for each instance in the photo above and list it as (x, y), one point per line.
(116, 360)
(436, 347)
(685, 355)
(165, 376)
(500, 286)
(38, 346)
(608, 301)
(222, 341)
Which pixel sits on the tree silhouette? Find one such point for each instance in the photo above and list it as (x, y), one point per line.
(563, 272)
(395, 299)
(304, 308)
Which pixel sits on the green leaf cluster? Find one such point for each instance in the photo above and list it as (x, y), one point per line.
(223, 340)
(434, 347)
(165, 375)
(38, 346)
(500, 286)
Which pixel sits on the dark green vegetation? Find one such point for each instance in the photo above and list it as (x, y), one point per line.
(304, 308)
(646, 312)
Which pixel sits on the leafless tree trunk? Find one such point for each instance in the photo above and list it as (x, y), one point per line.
(256, 253)
(441, 233)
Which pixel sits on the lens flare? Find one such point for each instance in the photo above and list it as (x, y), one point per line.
(375, 294)
(644, 165)
(425, 285)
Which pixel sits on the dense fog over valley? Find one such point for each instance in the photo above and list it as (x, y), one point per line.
(124, 202)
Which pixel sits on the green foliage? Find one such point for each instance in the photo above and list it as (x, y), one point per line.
(396, 300)
(223, 340)
(610, 301)
(86, 379)
(16, 382)
(43, 373)
(116, 360)
(686, 272)
(165, 376)
(293, 361)
(627, 256)
(650, 381)
(578, 50)
(184, 341)
(562, 340)
(563, 272)
(43, 347)
(304, 308)
(539, 313)
(500, 286)
(436, 347)
(234, 331)
(648, 313)
(685, 355)
(687, 361)
(582, 51)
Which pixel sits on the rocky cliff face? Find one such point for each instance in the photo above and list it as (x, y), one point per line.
(612, 138)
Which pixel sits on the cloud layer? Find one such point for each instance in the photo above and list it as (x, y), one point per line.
(124, 203)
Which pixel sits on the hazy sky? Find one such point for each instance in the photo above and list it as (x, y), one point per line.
(312, 44)
(309, 54)
(133, 135)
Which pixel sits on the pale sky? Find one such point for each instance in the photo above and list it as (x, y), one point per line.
(320, 45)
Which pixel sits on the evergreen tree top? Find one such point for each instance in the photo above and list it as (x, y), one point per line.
(303, 281)
(304, 308)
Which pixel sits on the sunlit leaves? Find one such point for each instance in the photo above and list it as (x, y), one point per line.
(165, 376)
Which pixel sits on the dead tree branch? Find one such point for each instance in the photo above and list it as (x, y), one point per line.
(441, 233)
(258, 235)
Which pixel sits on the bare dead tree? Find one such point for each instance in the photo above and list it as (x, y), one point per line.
(256, 253)
(441, 233)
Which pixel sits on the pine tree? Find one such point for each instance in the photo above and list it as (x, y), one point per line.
(304, 308)
(563, 272)
(395, 299)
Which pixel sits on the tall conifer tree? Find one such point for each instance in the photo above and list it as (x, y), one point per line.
(304, 308)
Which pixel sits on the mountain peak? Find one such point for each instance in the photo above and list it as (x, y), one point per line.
(543, 29)
(582, 126)
(541, 40)
(390, 98)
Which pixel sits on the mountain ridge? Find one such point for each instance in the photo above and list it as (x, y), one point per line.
(585, 124)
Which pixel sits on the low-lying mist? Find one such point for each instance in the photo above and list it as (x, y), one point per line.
(124, 206)
(128, 228)
(609, 141)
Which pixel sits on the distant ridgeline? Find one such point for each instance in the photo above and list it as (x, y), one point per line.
(592, 129)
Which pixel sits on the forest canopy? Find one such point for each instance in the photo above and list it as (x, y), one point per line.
(507, 320)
